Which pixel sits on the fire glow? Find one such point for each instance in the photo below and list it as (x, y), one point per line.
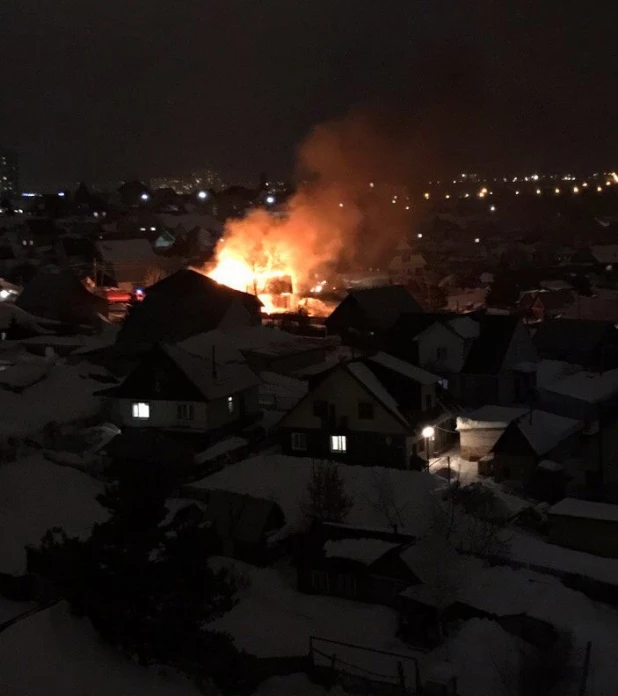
(281, 259)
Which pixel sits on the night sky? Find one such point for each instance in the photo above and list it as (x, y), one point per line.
(121, 88)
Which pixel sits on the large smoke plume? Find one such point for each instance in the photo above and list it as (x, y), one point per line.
(349, 170)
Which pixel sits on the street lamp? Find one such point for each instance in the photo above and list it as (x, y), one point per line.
(202, 195)
(428, 434)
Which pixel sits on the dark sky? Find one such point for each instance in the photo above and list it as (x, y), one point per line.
(112, 89)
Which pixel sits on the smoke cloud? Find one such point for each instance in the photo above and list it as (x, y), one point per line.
(351, 170)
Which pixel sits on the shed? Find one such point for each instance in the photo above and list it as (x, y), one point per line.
(584, 525)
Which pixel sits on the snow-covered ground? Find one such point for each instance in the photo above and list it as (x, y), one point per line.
(64, 396)
(382, 497)
(54, 654)
(273, 619)
(35, 495)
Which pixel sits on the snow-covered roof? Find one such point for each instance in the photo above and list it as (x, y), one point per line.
(572, 507)
(373, 384)
(202, 345)
(545, 430)
(270, 341)
(548, 465)
(126, 250)
(214, 382)
(549, 371)
(605, 253)
(411, 371)
(365, 551)
(587, 386)
(490, 417)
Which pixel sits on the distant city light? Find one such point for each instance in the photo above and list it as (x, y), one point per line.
(448, 195)
(29, 195)
(615, 177)
(575, 189)
(585, 184)
(599, 189)
(535, 177)
(426, 195)
(428, 432)
(4, 294)
(517, 193)
(492, 208)
(341, 205)
(270, 200)
(202, 195)
(153, 229)
(466, 195)
(557, 191)
(371, 184)
(538, 192)
(61, 194)
(145, 196)
(608, 183)
(420, 235)
(477, 240)
(407, 207)
(394, 200)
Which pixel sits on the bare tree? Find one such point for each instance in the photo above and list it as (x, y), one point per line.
(470, 518)
(383, 498)
(326, 498)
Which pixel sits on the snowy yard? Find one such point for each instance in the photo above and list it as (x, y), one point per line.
(64, 396)
(54, 654)
(273, 619)
(382, 497)
(35, 495)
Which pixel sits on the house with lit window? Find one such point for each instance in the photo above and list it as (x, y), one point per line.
(375, 411)
(204, 387)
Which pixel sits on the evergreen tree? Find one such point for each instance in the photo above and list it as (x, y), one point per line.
(145, 584)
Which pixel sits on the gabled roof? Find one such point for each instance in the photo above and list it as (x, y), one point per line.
(490, 348)
(543, 431)
(382, 305)
(229, 375)
(59, 295)
(411, 325)
(184, 304)
(389, 300)
(389, 380)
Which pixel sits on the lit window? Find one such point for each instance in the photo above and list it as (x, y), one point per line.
(231, 406)
(338, 443)
(185, 412)
(299, 442)
(141, 410)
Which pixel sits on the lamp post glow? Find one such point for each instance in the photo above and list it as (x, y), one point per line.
(145, 197)
(202, 195)
(270, 200)
(428, 434)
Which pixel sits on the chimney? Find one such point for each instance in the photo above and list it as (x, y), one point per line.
(214, 364)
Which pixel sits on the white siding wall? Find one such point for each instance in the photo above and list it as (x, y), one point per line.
(439, 337)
